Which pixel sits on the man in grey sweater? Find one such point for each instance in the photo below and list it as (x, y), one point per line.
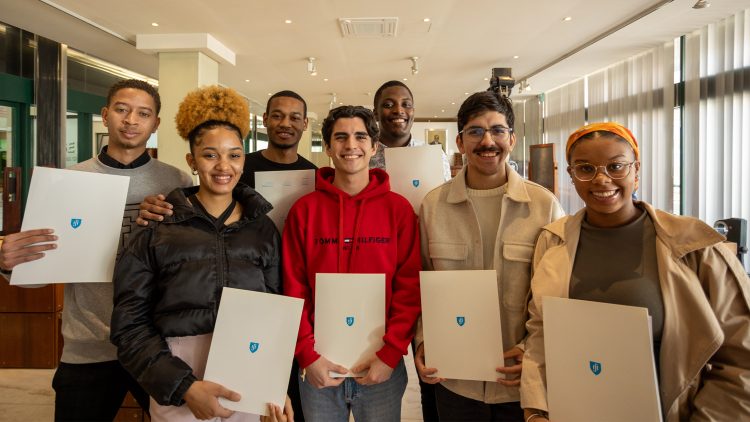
(89, 382)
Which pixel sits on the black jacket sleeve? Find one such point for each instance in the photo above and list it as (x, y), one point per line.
(272, 266)
(140, 347)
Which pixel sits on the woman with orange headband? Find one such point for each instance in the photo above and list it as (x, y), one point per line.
(696, 291)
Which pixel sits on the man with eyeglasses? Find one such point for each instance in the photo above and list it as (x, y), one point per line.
(487, 217)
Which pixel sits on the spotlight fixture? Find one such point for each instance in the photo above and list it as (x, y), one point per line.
(311, 68)
(414, 65)
(701, 4)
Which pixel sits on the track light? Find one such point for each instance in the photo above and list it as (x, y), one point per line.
(701, 4)
(311, 68)
(414, 65)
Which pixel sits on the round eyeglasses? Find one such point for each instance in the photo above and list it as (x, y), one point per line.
(586, 172)
(475, 134)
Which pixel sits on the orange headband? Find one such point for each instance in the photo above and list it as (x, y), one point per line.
(611, 127)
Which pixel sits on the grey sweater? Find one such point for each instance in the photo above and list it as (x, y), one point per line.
(88, 306)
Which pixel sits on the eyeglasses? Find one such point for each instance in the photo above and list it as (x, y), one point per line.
(476, 133)
(615, 170)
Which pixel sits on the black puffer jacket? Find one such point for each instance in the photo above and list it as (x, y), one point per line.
(169, 279)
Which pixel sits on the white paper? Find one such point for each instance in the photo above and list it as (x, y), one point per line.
(349, 318)
(415, 171)
(253, 347)
(461, 324)
(282, 189)
(85, 210)
(600, 362)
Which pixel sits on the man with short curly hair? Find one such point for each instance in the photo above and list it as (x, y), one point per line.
(353, 223)
(90, 383)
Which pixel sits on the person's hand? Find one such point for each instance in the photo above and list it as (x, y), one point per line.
(425, 373)
(317, 373)
(153, 208)
(202, 400)
(275, 414)
(517, 355)
(377, 372)
(25, 246)
(538, 415)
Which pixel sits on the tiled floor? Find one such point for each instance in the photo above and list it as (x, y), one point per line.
(26, 395)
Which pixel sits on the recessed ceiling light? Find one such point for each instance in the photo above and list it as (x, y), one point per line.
(442, 111)
(453, 103)
(515, 57)
(247, 80)
(434, 117)
(567, 19)
(486, 79)
(269, 94)
(466, 93)
(325, 79)
(405, 79)
(154, 24)
(288, 21)
(426, 19)
(368, 93)
(341, 103)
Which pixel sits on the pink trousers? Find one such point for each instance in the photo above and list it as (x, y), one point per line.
(194, 351)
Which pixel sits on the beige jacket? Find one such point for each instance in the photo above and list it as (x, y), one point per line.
(451, 240)
(705, 345)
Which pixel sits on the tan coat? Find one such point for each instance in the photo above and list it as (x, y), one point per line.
(705, 345)
(451, 240)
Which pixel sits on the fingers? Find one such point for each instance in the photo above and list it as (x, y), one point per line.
(222, 412)
(288, 410)
(26, 246)
(426, 375)
(509, 383)
(153, 208)
(510, 370)
(228, 394)
(338, 368)
(28, 233)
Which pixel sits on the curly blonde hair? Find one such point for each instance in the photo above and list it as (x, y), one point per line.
(213, 105)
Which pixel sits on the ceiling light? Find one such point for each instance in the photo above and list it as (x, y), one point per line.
(405, 79)
(453, 103)
(426, 19)
(567, 19)
(414, 65)
(701, 4)
(486, 79)
(325, 79)
(247, 80)
(288, 21)
(269, 94)
(466, 93)
(515, 57)
(156, 24)
(442, 111)
(311, 68)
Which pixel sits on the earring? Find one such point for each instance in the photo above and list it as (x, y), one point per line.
(195, 172)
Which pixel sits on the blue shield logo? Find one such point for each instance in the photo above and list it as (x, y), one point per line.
(461, 321)
(595, 367)
(75, 223)
(350, 321)
(254, 347)
(415, 182)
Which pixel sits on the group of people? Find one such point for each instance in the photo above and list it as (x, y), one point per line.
(149, 331)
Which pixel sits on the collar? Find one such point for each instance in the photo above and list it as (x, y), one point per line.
(515, 191)
(107, 160)
(681, 234)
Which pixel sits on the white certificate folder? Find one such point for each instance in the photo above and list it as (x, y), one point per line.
(600, 362)
(282, 189)
(349, 318)
(461, 324)
(253, 346)
(415, 171)
(85, 210)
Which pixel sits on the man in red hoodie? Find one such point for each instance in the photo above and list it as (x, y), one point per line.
(353, 223)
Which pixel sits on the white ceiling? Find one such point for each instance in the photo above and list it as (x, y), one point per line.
(457, 49)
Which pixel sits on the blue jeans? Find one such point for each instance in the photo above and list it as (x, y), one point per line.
(368, 403)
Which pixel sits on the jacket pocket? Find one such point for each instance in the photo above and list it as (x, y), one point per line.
(448, 256)
(516, 274)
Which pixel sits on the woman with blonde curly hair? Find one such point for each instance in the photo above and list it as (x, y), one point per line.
(168, 280)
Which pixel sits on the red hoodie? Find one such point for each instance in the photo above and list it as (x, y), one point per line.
(318, 236)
